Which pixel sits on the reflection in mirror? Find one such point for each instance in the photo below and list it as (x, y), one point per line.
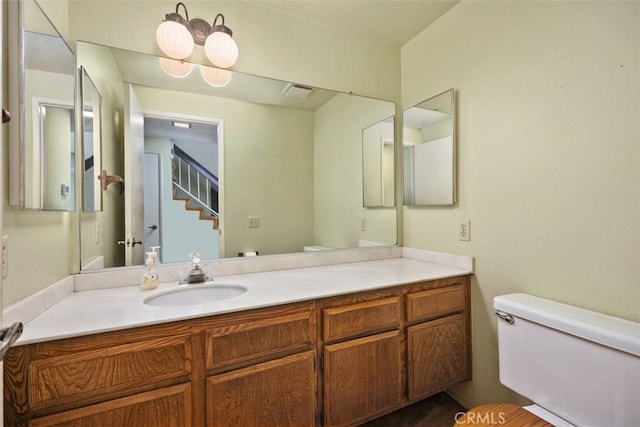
(429, 151)
(42, 150)
(377, 164)
(287, 169)
(91, 143)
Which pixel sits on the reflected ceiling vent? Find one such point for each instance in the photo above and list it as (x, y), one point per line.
(297, 91)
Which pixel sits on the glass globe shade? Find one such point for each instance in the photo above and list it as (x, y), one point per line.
(174, 40)
(221, 49)
(176, 68)
(215, 76)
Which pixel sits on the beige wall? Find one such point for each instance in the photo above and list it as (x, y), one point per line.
(267, 168)
(337, 165)
(271, 44)
(548, 134)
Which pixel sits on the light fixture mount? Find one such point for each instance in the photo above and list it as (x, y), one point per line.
(222, 28)
(177, 41)
(176, 17)
(200, 30)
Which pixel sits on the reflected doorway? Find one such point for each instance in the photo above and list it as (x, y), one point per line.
(183, 186)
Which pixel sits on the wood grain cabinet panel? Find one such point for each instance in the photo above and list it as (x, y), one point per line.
(280, 392)
(362, 378)
(362, 318)
(256, 340)
(437, 355)
(381, 350)
(435, 302)
(124, 368)
(166, 407)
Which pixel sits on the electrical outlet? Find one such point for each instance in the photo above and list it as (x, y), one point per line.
(464, 231)
(254, 221)
(5, 256)
(363, 224)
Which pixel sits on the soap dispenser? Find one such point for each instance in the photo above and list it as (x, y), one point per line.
(155, 254)
(149, 275)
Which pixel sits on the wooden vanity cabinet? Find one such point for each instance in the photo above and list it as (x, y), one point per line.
(383, 350)
(438, 338)
(261, 368)
(128, 377)
(337, 361)
(362, 357)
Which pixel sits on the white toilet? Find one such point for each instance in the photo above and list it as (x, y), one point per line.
(579, 367)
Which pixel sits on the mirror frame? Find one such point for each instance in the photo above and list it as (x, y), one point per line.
(16, 78)
(451, 103)
(375, 147)
(90, 101)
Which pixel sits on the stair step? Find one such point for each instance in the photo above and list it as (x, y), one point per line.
(202, 216)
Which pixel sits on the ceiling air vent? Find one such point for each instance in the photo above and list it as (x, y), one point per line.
(297, 91)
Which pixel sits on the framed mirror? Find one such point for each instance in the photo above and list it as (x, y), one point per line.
(91, 136)
(429, 147)
(378, 165)
(42, 136)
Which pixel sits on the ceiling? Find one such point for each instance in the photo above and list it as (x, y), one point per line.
(392, 22)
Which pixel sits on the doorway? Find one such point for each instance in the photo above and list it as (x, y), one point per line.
(184, 183)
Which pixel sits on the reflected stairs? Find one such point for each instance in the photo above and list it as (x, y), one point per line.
(191, 206)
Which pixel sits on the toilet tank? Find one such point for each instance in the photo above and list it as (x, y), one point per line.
(580, 365)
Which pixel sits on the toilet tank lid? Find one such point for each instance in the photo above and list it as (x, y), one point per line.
(600, 328)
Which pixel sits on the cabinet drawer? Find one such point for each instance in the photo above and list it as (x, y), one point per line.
(435, 302)
(258, 340)
(170, 407)
(108, 372)
(358, 319)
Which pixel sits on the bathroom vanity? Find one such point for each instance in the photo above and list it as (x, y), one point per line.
(341, 359)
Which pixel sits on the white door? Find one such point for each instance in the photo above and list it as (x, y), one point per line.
(133, 178)
(1, 218)
(152, 229)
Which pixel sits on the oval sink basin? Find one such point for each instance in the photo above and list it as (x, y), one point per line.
(194, 294)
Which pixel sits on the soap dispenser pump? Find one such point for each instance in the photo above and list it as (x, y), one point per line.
(149, 275)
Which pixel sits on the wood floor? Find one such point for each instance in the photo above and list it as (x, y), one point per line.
(437, 411)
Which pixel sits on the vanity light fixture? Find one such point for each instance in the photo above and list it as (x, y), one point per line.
(176, 36)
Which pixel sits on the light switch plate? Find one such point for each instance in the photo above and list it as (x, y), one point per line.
(464, 231)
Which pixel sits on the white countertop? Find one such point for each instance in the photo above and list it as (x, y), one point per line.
(95, 311)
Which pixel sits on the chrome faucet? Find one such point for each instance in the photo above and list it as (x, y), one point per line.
(196, 274)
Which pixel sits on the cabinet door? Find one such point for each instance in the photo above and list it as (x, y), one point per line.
(362, 378)
(170, 407)
(280, 392)
(437, 355)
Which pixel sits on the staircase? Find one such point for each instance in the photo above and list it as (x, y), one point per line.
(196, 186)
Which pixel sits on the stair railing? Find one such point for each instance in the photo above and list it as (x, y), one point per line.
(193, 179)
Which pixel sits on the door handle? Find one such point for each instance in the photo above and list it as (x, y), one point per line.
(8, 336)
(153, 227)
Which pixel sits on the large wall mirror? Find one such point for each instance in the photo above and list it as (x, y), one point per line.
(42, 136)
(283, 161)
(429, 149)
